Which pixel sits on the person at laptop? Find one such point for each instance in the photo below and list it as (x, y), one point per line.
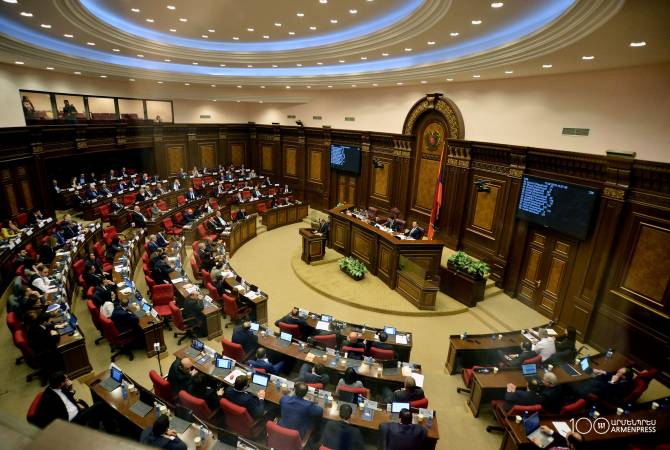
(574, 441)
(350, 379)
(43, 339)
(515, 361)
(180, 374)
(353, 341)
(262, 361)
(610, 386)
(552, 393)
(393, 224)
(401, 436)
(293, 318)
(380, 344)
(565, 348)
(515, 396)
(200, 388)
(192, 311)
(160, 435)
(58, 402)
(340, 435)
(409, 393)
(243, 335)
(124, 319)
(545, 346)
(298, 413)
(313, 374)
(238, 394)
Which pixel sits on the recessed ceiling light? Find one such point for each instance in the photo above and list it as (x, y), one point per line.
(135, 10)
(90, 43)
(211, 30)
(103, 76)
(588, 58)
(131, 79)
(159, 82)
(408, 49)
(292, 33)
(509, 72)
(173, 30)
(260, 101)
(150, 20)
(50, 68)
(277, 24)
(20, 63)
(288, 87)
(323, 2)
(375, 84)
(454, 34)
(238, 101)
(239, 87)
(497, 5)
(214, 100)
(423, 82)
(69, 36)
(319, 63)
(430, 42)
(450, 79)
(194, 63)
(476, 22)
(312, 28)
(183, 19)
(250, 65)
(167, 60)
(140, 55)
(204, 36)
(10, 1)
(333, 20)
(353, 85)
(222, 65)
(399, 83)
(265, 36)
(353, 11)
(385, 54)
(77, 72)
(329, 86)
(308, 86)
(364, 58)
(250, 30)
(476, 76)
(275, 66)
(116, 50)
(262, 87)
(299, 65)
(236, 38)
(638, 44)
(300, 14)
(45, 25)
(547, 66)
(26, 14)
(171, 7)
(341, 61)
(213, 85)
(187, 84)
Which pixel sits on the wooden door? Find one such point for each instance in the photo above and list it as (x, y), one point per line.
(175, 158)
(207, 156)
(346, 189)
(545, 271)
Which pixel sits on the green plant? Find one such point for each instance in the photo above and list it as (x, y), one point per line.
(353, 267)
(462, 262)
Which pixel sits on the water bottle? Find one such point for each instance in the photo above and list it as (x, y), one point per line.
(525, 416)
(124, 391)
(157, 408)
(429, 422)
(399, 364)
(627, 409)
(202, 434)
(592, 413)
(465, 335)
(363, 330)
(608, 355)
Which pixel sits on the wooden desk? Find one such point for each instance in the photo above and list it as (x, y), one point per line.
(377, 249)
(155, 225)
(7, 255)
(481, 349)
(121, 219)
(260, 303)
(313, 245)
(242, 231)
(492, 386)
(284, 215)
(331, 412)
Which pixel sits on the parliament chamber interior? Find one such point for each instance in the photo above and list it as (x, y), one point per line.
(335, 224)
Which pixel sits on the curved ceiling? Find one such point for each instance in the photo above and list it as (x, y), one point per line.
(306, 42)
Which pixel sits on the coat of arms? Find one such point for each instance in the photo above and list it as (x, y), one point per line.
(432, 140)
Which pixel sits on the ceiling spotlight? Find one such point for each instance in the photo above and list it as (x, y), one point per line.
(116, 50)
(408, 49)
(20, 63)
(69, 36)
(277, 24)
(90, 43)
(103, 76)
(430, 42)
(288, 87)
(333, 20)
(131, 79)
(50, 68)
(260, 101)
(173, 30)
(299, 65)
(204, 36)
(250, 30)
(150, 20)
(187, 84)
(135, 10)
(222, 65)
(171, 7)
(308, 86)
(262, 87)
(265, 36)
(26, 14)
(312, 28)
(291, 33)
(476, 22)
(588, 58)
(300, 14)
(353, 11)
(330, 86)
(275, 66)
(509, 72)
(239, 87)
(638, 44)
(10, 1)
(77, 72)
(183, 19)
(319, 63)
(423, 82)
(375, 84)
(211, 30)
(250, 65)
(353, 85)
(454, 34)
(213, 85)
(45, 25)
(547, 66)
(159, 82)
(476, 76)
(323, 2)
(497, 5)
(399, 83)
(341, 61)
(450, 79)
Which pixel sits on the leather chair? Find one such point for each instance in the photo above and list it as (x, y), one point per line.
(261, 208)
(353, 351)
(104, 211)
(232, 350)
(150, 283)
(95, 318)
(350, 391)
(291, 328)
(78, 267)
(317, 386)
(99, 250)
(206, 277)
(129, 199)
(197, 406)
(281, 438)
(89, 292)
(31, 415)
(214, 293)
(233, 311)
(161, 296)
(515, 410)
(170, 228)
(328, 340)
(640, 382)
(467, 375)
(22, 219)
(21, 342)
(381, 354)
(195, 268)
(120, 343)
(372, 212)
(574, 408)
(181, 200)
(180, 323)
(421, 403)
(162, 387)
(534, 360)
(30, 249)
(214, 204)
(13, 322)
(179, 218)
(239, 421)
(146, 269)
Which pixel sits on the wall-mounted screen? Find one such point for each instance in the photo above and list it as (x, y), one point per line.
(345, 158)
(564, 207)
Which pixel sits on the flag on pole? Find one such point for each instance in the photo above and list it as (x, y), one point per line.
(437, 201)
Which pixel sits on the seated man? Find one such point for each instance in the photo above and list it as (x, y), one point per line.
(192, 313)
(263, 362)
(243, 335)
(381, 344)
(124, 319)
(545, 346)
(526, 353)
(113, 248)
(162, 269)
(313, 374)
(200, 388)
(161, 241)
(160, 435)
(137, 218)
(293, 318)
(515, 396)
(115, 205)
(189, 216)
(180, 374)
(90, 277)
(206, 259)
(298, 413)
(402, 436)
(190, 195)
(141, 195)
(415, 232)
(104, 292)
(393, 224)
(354, 342)
(121, 186)
(340, 435)
(104, 190)
(42, 282)
(409, 393)
(552, 393)
(610, 386)
(238, 394)
(152, 245)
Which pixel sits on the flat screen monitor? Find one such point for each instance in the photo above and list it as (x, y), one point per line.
(584, 364)
(532, 423)
(325, 318)
(345, 158)
(564, 207)
(396, 407)
(224, 363)
(529, 369)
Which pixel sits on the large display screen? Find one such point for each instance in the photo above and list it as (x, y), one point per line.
(345, 158)
(564, 207)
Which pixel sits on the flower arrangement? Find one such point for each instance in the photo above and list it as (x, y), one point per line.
(462, 262)
(353, 267)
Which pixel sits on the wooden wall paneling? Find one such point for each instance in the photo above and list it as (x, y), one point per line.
(252, 151)
(39, 185)
(364, 247)
(402, 149)
(208, 155)
(175, 158)
(381, 189)
(456, 188)
(193, 155)
(290, 161)
(363, 180)
(266, 158)
(237, 153)
(222, 146)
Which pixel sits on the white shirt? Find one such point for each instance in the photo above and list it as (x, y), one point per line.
(42, 283)
(107, 309)
(545, 347)
(72, 409)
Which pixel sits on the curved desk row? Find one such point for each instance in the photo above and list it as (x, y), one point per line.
(284, 215)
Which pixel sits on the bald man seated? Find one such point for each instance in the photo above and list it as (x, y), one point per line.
(353, 340)
(180, 374)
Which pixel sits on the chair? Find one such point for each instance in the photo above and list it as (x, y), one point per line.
(22, 219)
(147, 213)
(129, 199)
(179, 218)
(534, 360)
(421, 403)
(467, 375)
(120, 343)
(195, 268)
(31, 415)
(214, 293)
(197, 184)
(329, 340)
(206, 277)
(350, 391)
(162, 387)
(145, 255)
(180, 323)
(574, 408)
(261, 208)
(372, 212)
(104, 211)
(13, 322)
(233, 350)
(281, 438)
(238, 420)
(95, 318)
(78, 267)
(402, 224)
(162, 205)
(21, 342)
(181, 200)
(233, 311)
(515, 410)
(99, 250)
(89, 292)
(150, 282)
(30, 249)
(161, 296)
(170, 228)
(353, 351)
(197, 405)
(202, 232)
(146, 269)
(381, 354)
(293, 329)
(317, 386)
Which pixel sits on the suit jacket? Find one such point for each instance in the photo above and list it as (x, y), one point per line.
(139, 197)
(161, 241)
(115, 207)
(304, 328)
(101, 295)
(92, 279)
(91, 194)
(552, 399)
(40, 339)
(190, 196)
(152, 246)
(253, 404)
(139, 220)
(392, 224)
(408, 395)
(339, 435)
(246, 338)
(51, 407)
(298, 413)
(522, 397)
(179, 380)
(147, 437)
(193, 310)
(415, 233)
(396, 436)
(124, 319)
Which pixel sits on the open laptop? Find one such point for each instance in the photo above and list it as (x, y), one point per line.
(144, 405)
(529, 372)
(144, 310)
(285, 339)
(396, 407)
(259, 381)
(391, 331)
(222, 367)
(254, 327)
(197, 346)
(585, 366)
(326, 318)
(113, 381)
(532, 428)
(70, 327)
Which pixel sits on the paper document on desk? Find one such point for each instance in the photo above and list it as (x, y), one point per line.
(125, 291)
(177, 280)
(192, 289)
(401, 339)
(52, 290)
(233, 375)
(172, 258)
(551, 332)
(227, 274)
(562, 427)
(530, 337)
(118, 268)
(323, 326)
(418, 377)
(406, 371)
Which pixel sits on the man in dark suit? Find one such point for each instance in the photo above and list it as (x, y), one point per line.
(243, 335)
(115, 205)
(161, 269)
(241, 214)
(393, 224)
(104, 190)
(238, 394)
(402, 436)
(161, 241)
(152, 245)
(69, 227)
(552, 393)
(160, 435)
(293, 318)
(91, 278)
(43, 339)
(158, 190)
(124, 319)
(526, 353)
(313, 374)
(340, 435)
(380, 344)
(530, 396)
(298, 413)
(180, 374)
(58, 402)
(103, 293)
(192, 312)
(190, 195)
(262, 361)
(354, 342)
(206, 258)
(121, 186)
(324, 228)
(409, 393)
(137, 218)
(92, 193)
(415, 232)
(610, 386)
(141, 195)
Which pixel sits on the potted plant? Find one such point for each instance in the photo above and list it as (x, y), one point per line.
(464, 278)
(353, 267)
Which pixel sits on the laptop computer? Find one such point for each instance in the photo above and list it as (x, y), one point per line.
(254, 327)
(285, 339)
(222, 367)
(70, 327)
(529, 372)
(113, 381)
(585, 366)
(144, 405)
(532, 428)
(197, 346)
(396, 407)
(144, 310)
(259, 381)
(326, 318)
(391, 331)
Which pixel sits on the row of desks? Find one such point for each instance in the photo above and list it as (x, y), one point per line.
(284, 215)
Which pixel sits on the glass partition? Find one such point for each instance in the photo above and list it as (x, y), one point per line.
(36, 105)
(159, 111)
(131, 109)
(101, 108)
(70, 107)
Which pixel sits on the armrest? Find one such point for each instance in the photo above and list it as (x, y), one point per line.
(82, 403)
